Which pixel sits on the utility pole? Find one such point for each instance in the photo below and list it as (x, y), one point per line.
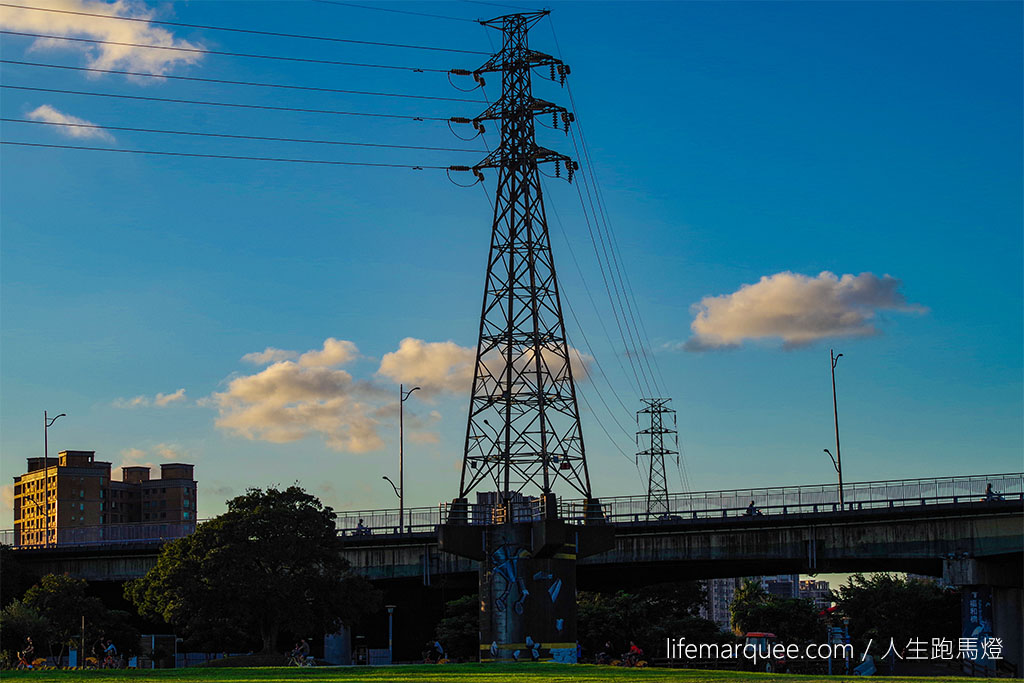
(835, 411)
(403, 396)
(523, 434)
(657, 481)
(47, 423)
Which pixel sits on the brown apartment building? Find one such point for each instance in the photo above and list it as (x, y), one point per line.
(75, 500)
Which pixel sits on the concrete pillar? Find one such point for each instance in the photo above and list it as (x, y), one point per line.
(527, 581)
(993, 602)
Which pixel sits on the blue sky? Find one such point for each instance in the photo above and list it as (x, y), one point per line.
(736, 144)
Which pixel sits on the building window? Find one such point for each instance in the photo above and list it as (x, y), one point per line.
(81, 506)
(185, 515)
(186, 502)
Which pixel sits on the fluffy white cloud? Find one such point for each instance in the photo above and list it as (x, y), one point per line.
(290, 400)
(434, 366)
(103, 56)
(53, 115)
(446, 366)
(160, 400)
(798, 309)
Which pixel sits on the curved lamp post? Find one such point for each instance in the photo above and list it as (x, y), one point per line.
(47, 423)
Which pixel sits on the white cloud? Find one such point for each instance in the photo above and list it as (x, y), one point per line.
(7, 496)
(159, 401)
(335, 352)
(137, 402)
(289, 401)
(103, 56)
(162, 400)
(134, 457)
(798, 309)
(53, 115)
(434, 366)
(269, 355)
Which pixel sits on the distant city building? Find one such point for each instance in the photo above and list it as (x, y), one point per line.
(720, 596)
(81, 503)
(817, 592)
(782, 585)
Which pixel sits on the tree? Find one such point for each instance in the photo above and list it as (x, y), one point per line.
(17, 622)
(885, 606)
(459, 630)
(62, 602)
(791, 620)
(647, 616)
(272, 563)
(15, 577)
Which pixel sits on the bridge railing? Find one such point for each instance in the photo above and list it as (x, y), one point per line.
(803, 499)
(622, 510)
(108, 534)
(817, 498)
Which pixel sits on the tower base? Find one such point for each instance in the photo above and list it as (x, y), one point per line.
(527, 583)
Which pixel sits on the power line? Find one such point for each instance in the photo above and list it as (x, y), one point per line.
(195, 50)
(223, 156)
(277, 34)
(241, 105)
(238, 137)
(499, 4)
(395, 11)
(227, 82)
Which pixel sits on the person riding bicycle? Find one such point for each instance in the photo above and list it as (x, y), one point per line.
(752, 511)
(110, 658)
(605, 655)
(299, 653)
(26, 655)
(991, 493)
(633, 656)
(362, 529)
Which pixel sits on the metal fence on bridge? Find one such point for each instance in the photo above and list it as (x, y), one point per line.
(778, 500)
(622, 510)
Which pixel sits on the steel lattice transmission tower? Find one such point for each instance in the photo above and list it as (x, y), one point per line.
(523, 432)
(657, 482)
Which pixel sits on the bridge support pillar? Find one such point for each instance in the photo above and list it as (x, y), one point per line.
(992, 604)
(527, 582)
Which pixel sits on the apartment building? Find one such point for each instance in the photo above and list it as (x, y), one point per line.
(73, 497)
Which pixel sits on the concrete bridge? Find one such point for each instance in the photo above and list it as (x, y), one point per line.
(941, 527)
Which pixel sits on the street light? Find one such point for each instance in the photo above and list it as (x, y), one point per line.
(391, 615)
(47, 423)
(838, 460)
(403, 396)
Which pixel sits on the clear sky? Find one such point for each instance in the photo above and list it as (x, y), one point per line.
(782, 178)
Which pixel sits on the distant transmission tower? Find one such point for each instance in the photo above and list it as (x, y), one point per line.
(654, 437)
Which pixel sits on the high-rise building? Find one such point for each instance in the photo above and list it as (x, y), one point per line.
(782, 585)
(720, 594)
(75, 500)
(817, 592)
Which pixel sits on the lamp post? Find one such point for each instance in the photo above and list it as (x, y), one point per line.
(47, 423)
(403, 396)
(391, 650)
(838, 460)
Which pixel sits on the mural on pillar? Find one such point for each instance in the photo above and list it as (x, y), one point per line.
(532, 607)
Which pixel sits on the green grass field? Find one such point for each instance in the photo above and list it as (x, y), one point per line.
(455, 673)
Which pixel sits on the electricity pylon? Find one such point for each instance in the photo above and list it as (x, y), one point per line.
(523, 432)
(657, 482)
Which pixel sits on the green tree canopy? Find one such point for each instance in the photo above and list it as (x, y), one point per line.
(791, 620)
(17, 622)
(459, 630)
(646, 616)
(886, 606)
(62, 602)
(272, 563)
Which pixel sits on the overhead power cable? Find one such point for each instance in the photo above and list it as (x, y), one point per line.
(239, 137)
(277, 34)
(227, 82)
(395, 11)
(242, 105)
(326, 162)
(223, 53)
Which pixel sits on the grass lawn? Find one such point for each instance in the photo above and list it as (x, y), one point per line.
(455, 673)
